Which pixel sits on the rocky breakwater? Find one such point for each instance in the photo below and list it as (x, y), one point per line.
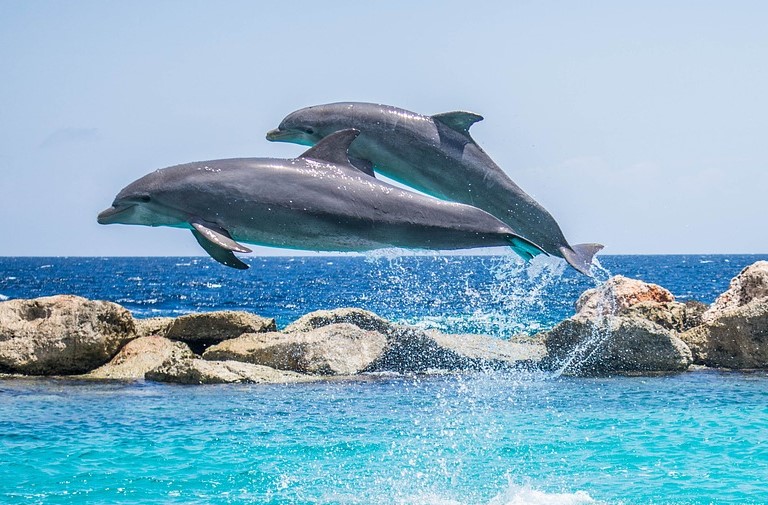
(624, 326)
(73, 336)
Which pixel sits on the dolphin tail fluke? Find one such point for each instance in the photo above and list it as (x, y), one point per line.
(580, 256)
(524, 248)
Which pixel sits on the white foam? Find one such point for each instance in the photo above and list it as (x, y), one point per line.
(512, 495)
(526, 495)
(4, 298)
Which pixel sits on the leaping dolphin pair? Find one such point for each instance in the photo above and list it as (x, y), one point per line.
(436, 155)
(318, 201)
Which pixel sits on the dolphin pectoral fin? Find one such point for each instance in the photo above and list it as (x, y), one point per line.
(580, 256)
(223, 256)
(525, 248)
(333, 148)
(458, 120)
(364, 166)
(218, 236)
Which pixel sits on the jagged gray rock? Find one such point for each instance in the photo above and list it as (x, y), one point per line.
(615, 345)
(623, 326)
(735, 329)
(61, 335)
(334, 349)
(140, 356)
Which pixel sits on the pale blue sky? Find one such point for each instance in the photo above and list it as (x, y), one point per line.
(641, 125)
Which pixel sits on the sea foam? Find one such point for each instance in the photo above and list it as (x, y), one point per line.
(514, 494)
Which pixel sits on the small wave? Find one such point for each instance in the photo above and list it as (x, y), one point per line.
(136, 279)
(11, 278)
(46, 266)
(4, 298)
(526, 495)
(704, 262)
(514, 495)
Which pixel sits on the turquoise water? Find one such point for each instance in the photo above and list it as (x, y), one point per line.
(479, 439)
(696, 438)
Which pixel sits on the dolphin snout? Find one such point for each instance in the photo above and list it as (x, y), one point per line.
(108, 216)
(277, 135)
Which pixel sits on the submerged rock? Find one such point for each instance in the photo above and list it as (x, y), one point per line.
(200, 371)
(140, 356)
(61, 335)
(213, 327)
(334, 349)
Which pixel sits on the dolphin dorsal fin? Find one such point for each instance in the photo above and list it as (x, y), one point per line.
(458, 120)
(365, 166)
(333, 148)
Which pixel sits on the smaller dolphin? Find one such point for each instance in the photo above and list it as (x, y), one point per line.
(318, 201)
(436, 155)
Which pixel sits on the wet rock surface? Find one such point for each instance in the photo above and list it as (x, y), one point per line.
(615, 345)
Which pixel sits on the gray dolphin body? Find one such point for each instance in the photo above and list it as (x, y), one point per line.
(318, 201)
(436, 155)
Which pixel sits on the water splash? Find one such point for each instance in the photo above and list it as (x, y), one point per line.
(498, 295)
(520, 293)
(513, 495)
(586, 350)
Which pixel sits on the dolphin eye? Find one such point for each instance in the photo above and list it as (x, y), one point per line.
(309, 131)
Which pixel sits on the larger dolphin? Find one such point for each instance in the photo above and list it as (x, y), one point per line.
(318, 201)
(436, 155)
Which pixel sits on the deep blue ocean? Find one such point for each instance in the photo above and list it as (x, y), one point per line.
(481, 439)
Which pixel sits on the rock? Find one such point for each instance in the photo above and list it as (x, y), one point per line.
(213, 327)
(751, 284)
(61, 334)
(618, 294)
(335, 349)
(358, 317)
(486, 350)
(618, 344)
(140, 356)
(200, 371)
(673, 316)
(694, 314)
(634, 298)
(736, 338)
(410, 350)
(153, 326)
